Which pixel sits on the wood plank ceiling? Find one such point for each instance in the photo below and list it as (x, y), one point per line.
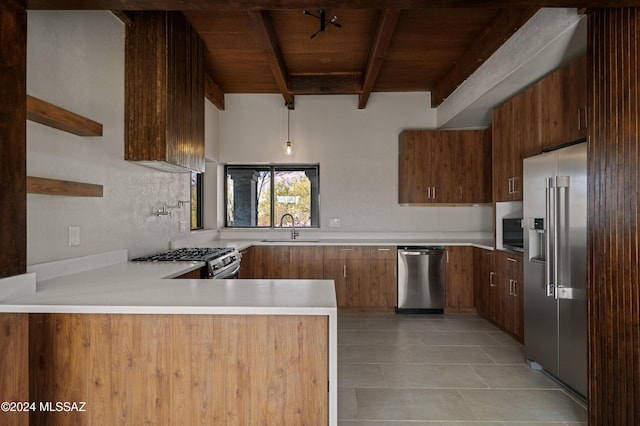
(265, 46)
(389, 50)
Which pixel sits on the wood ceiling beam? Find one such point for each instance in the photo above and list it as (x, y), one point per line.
(213, 92)
(213, 5)
(386, 27)
(123, 17)
(266, 36)
(326, 84)
(503, 26)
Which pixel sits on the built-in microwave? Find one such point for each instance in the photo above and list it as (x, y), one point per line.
(512, 236)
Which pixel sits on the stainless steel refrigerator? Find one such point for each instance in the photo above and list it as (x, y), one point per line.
(555, 266)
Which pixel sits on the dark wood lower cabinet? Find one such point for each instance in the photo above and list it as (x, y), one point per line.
(501, 296)
(459, 279)
(384, 270)
(365, 277)
(509, 294)
(348, 267)
(246, 263)
(286, 262)
(484, 287)
(499, 289)
(194, 275)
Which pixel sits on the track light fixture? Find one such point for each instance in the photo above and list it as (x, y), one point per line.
(323, 21)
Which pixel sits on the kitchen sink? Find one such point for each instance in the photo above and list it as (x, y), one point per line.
(289, 240)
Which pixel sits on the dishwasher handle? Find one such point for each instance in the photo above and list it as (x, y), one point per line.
(421, 252)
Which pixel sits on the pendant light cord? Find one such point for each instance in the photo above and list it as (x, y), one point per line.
(288, 125)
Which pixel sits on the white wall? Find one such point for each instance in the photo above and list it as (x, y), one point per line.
(76, 61)
(358, 155)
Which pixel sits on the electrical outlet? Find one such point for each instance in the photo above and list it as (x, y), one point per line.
(74, 236)
(334, 223)
(183, 226)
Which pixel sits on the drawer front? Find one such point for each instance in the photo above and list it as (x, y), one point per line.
(347, 252)
(384, 252)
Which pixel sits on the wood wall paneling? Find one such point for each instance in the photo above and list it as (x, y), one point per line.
(181, 369)
(614, 184)
(14, 365)
(13, 134)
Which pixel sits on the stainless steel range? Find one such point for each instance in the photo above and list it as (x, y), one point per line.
(221, 262)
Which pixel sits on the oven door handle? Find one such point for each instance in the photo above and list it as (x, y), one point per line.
(227, 273)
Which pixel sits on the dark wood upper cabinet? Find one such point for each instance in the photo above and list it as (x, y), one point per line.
(550, 113)
(516, 135)
(164, 92)
(564, 115)
(444, 166)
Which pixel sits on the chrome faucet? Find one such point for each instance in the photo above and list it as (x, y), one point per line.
(294, 233)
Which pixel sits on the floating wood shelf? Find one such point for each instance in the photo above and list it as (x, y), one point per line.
(53, 116)
(38, 185)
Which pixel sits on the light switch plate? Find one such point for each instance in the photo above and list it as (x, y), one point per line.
(334, 223)
(74, 236)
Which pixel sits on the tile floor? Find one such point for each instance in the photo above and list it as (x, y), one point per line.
(441, 370)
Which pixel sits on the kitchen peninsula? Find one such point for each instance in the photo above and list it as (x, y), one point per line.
(140, 348)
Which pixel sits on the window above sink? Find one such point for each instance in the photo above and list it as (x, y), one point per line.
(258, 196)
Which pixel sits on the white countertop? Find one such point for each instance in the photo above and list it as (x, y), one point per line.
(242, 244)
(145, 288)
(107, 283)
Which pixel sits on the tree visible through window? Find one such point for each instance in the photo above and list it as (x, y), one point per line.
(196, 201)
(258, 196)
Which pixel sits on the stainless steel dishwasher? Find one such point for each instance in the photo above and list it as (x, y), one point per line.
(421, 279)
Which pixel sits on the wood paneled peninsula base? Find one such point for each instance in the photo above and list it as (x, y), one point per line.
(180, 369)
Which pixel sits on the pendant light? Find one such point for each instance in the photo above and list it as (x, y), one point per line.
(288, 148)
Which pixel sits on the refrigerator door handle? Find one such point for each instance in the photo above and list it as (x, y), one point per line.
(550, 229)
(556, 239)
(564, 290)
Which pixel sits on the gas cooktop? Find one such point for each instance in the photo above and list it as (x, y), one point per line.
(190, 254)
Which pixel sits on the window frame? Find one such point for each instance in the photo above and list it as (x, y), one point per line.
(272, 169)
(198, 201)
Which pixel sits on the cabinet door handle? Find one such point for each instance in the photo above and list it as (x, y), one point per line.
(579, 118)
(428, 193)
(434, 192)
(510, 287)
(510, 185)
(491, 283)
(511, 259)
(515, 287)
(344, 270)
(515, 185)
(384, 249)
(347, 249)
